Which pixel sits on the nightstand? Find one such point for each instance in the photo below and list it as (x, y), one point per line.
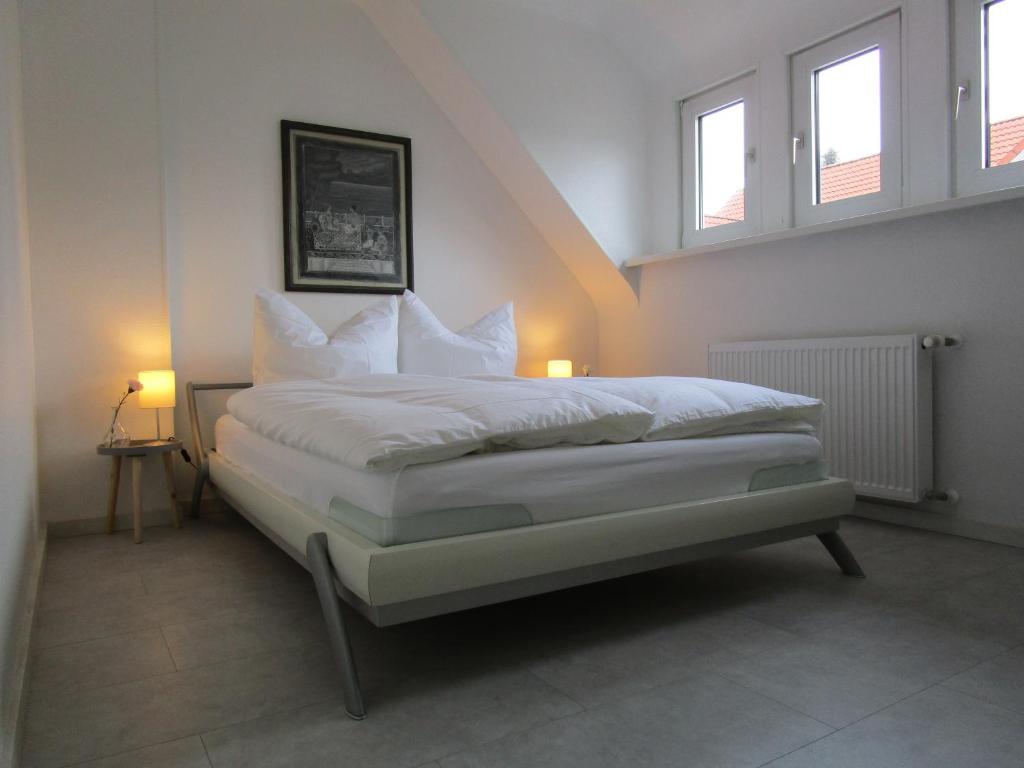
(137, 450)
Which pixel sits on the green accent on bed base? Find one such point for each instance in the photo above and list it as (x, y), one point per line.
(788, 474)
(436, 524)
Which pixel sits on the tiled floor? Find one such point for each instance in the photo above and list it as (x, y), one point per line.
(205, 647)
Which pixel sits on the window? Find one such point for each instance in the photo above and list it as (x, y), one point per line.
(846, 121)
(720, 193)
(721, 176)
(847, 128)
(988, 99)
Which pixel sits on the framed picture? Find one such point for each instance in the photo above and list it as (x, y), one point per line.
(347, 210)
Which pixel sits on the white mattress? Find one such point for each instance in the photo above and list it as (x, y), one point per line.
(512, 488)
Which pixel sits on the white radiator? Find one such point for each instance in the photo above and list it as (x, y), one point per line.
(877, 426)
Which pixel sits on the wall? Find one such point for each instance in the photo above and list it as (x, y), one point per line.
(573, 100)
(226, 81)
(154, 134)
(97, 265)
(154, 186)
(19, 527)
(951, 273)
(957, 272)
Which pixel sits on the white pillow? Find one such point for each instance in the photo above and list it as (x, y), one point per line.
(426, 347)
(288, 345)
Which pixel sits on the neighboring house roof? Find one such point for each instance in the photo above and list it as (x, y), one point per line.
(854, 177)
(730, 212)
(838, 181)
(1006, 141)
(863, 175)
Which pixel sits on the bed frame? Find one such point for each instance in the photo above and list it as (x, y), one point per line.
(406, 582)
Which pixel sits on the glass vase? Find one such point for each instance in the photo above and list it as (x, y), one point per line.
(116, 433)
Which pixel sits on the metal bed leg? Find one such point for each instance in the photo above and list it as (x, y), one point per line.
(197, 489)
(841, 554)
(323, 576)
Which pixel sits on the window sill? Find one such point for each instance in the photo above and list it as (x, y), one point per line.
(896, 214)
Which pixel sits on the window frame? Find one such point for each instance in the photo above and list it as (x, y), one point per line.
(884, 34)
(742, 88)
(972, 177)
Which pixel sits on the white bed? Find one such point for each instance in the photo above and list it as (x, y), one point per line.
(423, 539)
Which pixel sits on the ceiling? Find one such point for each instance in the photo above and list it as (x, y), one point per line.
(666, 37)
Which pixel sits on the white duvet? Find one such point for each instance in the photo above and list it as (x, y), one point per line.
(385, 422)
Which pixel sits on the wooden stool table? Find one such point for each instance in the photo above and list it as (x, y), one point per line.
(137, 450)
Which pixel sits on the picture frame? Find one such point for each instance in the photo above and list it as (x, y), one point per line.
(347, 199)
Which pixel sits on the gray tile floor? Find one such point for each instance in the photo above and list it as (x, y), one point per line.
(205, 647)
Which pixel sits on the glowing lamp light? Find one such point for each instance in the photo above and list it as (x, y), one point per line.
(157, 392)
(559, 369)
(157, 389)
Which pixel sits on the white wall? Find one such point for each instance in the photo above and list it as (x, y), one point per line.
(97, 264)
(19, 527)
(225, 73)
(154, 183)
(957, 272)
(573, 100)
(229, 72)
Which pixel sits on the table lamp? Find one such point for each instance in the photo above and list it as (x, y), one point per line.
(559, 369)
(157, 392)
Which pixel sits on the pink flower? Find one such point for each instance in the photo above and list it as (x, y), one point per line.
(134, 385)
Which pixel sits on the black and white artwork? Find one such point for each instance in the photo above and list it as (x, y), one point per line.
(347, 210)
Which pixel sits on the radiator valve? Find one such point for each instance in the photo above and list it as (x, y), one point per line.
(936, 341)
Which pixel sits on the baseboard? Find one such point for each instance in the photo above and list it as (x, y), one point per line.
(122, 522)
(212, 506)
(932, 521)
(13, 719)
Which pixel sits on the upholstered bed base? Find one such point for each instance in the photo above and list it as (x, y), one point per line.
(391, 585)
(394, 584)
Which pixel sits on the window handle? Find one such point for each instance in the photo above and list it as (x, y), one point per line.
(963, 93)
(798, 143)
(752, 155)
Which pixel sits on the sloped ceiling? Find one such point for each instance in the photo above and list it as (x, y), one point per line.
(501, 70)
(461, 99)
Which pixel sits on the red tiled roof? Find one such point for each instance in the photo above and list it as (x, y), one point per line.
(1006, 140)
(838, 181)
(850, 179)
(863, 175)
(730, 212)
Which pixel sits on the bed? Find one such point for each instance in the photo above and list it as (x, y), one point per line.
(405, 542)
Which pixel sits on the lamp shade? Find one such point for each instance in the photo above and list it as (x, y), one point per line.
(559, 369)
(157, 389)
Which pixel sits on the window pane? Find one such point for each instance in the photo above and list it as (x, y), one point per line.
(1004, 78)
(721, 152)
(848, 128)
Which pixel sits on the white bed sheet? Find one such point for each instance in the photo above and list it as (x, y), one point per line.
(552, 484)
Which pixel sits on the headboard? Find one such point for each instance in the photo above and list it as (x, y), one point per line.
(193, 412)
